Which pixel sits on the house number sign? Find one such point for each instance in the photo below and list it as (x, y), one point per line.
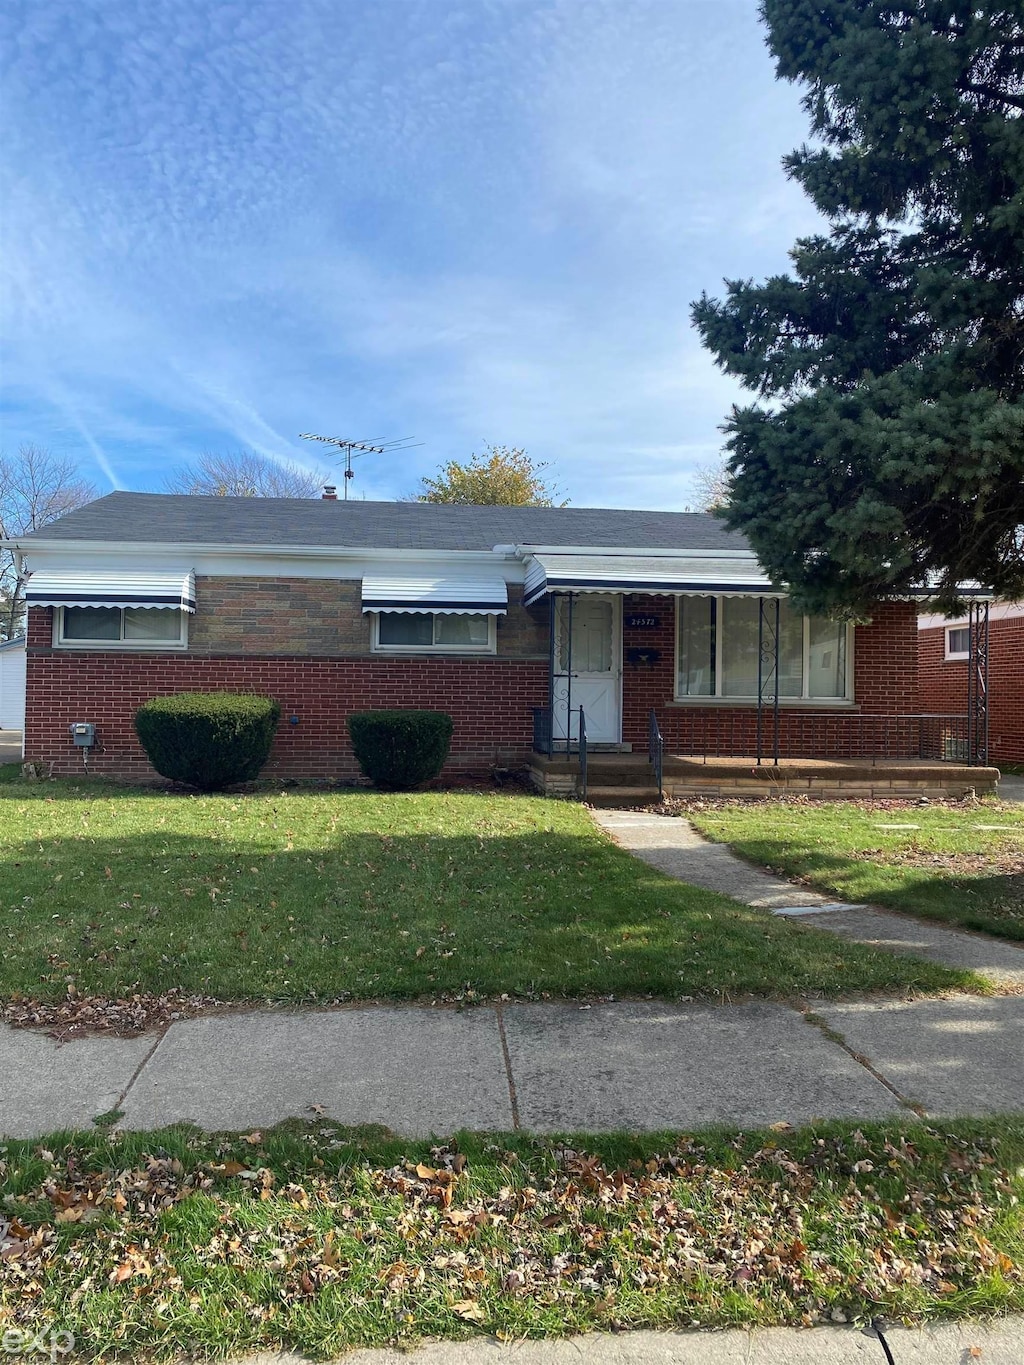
(636, 622)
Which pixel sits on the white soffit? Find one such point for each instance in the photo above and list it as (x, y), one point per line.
(111, 588)
(448, 594)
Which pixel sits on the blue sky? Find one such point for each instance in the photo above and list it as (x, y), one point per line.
(461, 221)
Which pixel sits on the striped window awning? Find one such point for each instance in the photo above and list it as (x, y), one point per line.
(670, 574)
(446, 594)
(111, 588)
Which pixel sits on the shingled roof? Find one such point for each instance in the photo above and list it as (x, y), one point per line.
(166, 518)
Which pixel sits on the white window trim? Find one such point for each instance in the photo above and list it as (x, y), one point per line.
(955, 655)
(718, 699)
(491, 647)
(121, 646)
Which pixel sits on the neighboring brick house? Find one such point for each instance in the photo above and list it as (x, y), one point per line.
(513, 619)
(942, 669)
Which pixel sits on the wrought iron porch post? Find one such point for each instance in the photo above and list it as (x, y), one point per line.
(762, 658)
(977, 682)
(552, 640)
(778, 632)
(760, 675)
(568, 680)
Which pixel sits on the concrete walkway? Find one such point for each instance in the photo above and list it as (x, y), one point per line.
(995, 1343)
(1011, 788)
(672, 845)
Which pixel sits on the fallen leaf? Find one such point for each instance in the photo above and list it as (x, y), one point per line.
(470, 1311)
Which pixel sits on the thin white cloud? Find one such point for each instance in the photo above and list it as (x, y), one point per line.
(229, 222)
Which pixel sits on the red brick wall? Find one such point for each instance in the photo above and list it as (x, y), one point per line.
(944, 683)
(490, 700)
(885, 685)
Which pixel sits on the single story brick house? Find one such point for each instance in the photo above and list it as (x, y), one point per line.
(519, 621)
(944, 668)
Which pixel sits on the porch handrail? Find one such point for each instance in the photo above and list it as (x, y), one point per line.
(581, 785)
(929, 736)
(656, 751)
(543, 731)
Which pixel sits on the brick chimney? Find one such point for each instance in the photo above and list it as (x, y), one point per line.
(330, 493)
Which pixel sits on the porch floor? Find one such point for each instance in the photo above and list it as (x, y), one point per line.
(617, 778)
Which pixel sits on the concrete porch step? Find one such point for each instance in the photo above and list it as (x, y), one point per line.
(620, 795)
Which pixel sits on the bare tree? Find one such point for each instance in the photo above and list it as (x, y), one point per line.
(36, 487)
(244, 474)
(712, 484)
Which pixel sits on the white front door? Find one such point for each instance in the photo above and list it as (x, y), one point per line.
(588, 667)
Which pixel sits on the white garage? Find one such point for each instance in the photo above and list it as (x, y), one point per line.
(12, 685)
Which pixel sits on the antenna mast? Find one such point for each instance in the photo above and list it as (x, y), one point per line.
(354, 449)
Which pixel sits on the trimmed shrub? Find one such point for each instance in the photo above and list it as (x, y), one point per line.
(399, 750)
(208, 739)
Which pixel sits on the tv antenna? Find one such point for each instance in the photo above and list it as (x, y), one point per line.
(354, 450)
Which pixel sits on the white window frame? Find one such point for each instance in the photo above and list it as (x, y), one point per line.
(122, 645)
(720, 699)
(956, 655)
(491, 647)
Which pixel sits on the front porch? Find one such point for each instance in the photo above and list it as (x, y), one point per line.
(617, 779)
(690, 674)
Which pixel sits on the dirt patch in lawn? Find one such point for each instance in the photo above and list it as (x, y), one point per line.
(997, 863)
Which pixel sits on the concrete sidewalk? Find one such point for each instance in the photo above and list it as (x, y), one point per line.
(539, 1067)
(672, 845)
(999, 1343)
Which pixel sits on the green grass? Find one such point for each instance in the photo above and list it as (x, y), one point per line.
(303, 896)
(946, 869)
(317, 1239)
(10, 772)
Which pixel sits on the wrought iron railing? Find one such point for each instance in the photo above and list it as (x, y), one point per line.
(544, 742)
(656, 751)
(543, 731)
(726, 733)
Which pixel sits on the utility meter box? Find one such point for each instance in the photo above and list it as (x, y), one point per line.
(83, 734)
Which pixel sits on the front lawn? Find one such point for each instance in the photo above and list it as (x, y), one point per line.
(294, 895)
(310, 1238)
(960, 863)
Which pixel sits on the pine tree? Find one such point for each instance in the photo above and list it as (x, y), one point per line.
(888, 446)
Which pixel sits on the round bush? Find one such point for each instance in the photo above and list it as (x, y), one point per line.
(399, 750)
(208, 739)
